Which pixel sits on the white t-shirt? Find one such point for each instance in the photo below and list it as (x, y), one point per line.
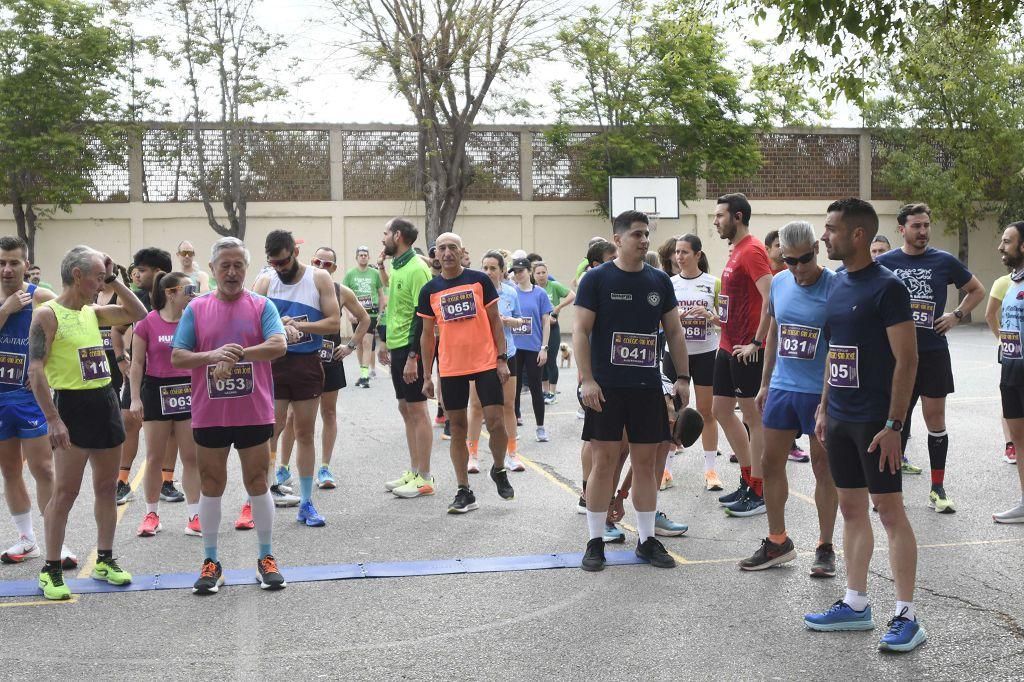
(703, 290)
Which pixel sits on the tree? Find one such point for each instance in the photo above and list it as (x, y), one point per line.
(60, 62)
(443, 57)
(952, 125)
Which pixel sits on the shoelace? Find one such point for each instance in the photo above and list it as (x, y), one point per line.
(268, 564)
(112, 565)
(838, 606)
(209, 570)
(57, 579)
(897, 623)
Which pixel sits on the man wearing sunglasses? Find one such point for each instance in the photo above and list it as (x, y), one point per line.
(365, 282)
(187, 256)
(794, 367)
(305, 298)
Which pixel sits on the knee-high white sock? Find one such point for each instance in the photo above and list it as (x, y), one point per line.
(645, 525)
(209, 519)
(263, 519)
(23, 522)
(595, 523)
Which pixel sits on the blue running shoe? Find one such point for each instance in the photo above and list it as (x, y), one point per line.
(309, 515)
(904, 635)
(665, 526)
(613, 533)
(324, 478)
(840, 617)
(283, 475)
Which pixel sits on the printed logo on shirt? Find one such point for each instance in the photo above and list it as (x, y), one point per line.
(654, 298)
(703, 288)
(918, 282)
(621, 297)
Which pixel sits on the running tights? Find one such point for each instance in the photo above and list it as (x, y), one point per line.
(526, 363)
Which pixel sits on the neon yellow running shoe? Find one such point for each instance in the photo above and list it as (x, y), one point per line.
(909, 468)
(400, 481)
(53, 586)
(107, 569)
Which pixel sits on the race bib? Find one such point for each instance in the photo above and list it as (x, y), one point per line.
(365, 301)
(798, 342)
(238, 385)
(723, 307)
(923, 313)
(12, 368)
(175, 399)
(305, 337)
(1009, 345)
(695, 328)
(842, 367)
(326, 352)
(108, 343)
(634, 350)
(524, 329)
(93, 363)
(458, 305)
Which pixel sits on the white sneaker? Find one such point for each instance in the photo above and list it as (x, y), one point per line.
(1015, 515)
(581, 414)
(68, 560)
(283, 499)
(542, 434)
(513, 463)
(20, 550)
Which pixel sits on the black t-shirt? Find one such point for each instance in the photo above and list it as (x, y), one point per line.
(628, 307)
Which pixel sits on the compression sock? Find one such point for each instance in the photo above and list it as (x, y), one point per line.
(938, 447)
(757, 485)
(745, 474)
(209, 519)
(305, 489)
(263, 519)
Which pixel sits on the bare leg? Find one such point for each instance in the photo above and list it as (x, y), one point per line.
(735, 434)
(826, 498)
(858, 539)
(69, 467)
(902, 543)
(329, 416)
(189, 465)
(104, 465)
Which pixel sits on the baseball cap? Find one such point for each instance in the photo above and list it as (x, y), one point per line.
(520, 264)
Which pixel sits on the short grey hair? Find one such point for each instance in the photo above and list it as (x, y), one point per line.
(797, 233)
(80, 257)
(225, 243)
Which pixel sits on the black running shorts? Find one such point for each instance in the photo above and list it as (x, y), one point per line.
(733, 379)
(851, 464)
(455, 390)
(934, 374)
(92, 417)
(242, 437)
(410, 393)
(640, 411)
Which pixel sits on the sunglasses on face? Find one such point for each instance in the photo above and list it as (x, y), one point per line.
(798, 260)
(325, 264)
(279, 262)
(187, 253)
(189, 289)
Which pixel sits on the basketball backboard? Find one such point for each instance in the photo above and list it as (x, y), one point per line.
(649, 195)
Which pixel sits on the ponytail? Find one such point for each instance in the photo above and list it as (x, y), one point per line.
(161, 283)
(697, 247)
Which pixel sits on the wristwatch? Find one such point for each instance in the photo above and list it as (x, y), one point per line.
(958, 314)
(351, 345)
(413, 355)
(894, 424)
(683, 377)
(503, 356)
(757, 343)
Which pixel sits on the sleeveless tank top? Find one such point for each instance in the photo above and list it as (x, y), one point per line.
(77, 359)
(300, 300)
(14, 356)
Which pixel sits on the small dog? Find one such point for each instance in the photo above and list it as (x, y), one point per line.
(566, 355)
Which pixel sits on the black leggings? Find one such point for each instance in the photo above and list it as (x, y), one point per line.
(526, 361)
(551, 368)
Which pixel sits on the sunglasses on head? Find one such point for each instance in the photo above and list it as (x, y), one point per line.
(319, 263)
(279, 262)
(798, 260)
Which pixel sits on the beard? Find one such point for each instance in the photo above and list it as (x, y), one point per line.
(289, 276)
(390, 249)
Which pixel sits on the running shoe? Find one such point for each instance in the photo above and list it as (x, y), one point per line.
(268, 574)
(824, 565)
(68, 560)
(549, 398)
(439, 420)
(400, 481)
(796, 454)
(666, 480)
(244, 520)
(500, 478)
(712, 481)
(939, 501)
(666, 527)
(613, 534)
(309, 515)
(168, 493)
(325, 479)
(1010, 454)
(193, 527)
(735, 495)
(909, 468)
(108, 570)
(465, 501)
(542, 434)
(581, 506)
(769, 554)
(415, 488)
(593, 557)
(150, 526)
(519, 421)
(211, 577)
(1014, 515)
(446, 434)
(282, 496)
(652, 551)
(513, 463)
(840, 617)
(473, 466)
(750, 504)
(124, 493)
(580, 414)
(20, 550)
(903, 635)
(53, 585)
(283, 476)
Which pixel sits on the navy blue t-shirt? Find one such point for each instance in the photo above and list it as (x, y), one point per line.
(926, 278)
(861, 307)
(629, 307)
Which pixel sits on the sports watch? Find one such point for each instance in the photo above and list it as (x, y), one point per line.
(894, 424)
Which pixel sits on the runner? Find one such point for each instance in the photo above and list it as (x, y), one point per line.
(369, 290)
(560, 297)
(532, 341)
(23, 432)
(869, 376)
(746, 281)
(470, 347)
(794, 369)
(927, 272)
(993, 310)
(879, 245)
(697, 298)
(587, 263)
(408, 275)
(1011, 380)
(162, 398)
(187, 256)
(308, 304)
(66, 356)
(35, 276)
(618, 311)
(228, 339)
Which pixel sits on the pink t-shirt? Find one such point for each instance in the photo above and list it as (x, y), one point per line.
(158, 334)
(246, 398)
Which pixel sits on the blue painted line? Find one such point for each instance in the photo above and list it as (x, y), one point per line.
(305, 574)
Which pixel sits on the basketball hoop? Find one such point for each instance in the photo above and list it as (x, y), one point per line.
(652, 220)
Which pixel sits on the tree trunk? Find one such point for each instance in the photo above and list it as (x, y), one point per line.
(963, 253)
(25, 219)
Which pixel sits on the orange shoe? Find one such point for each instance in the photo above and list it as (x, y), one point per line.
(193, 527)
(712, 481)
(244, 520)
(150, 526)
(666, 480)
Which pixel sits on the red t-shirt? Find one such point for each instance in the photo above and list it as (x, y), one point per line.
(742, 305)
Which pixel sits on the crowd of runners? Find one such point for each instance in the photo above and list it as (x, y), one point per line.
(774, 348)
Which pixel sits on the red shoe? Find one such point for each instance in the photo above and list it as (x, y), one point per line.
(193, 527)
(1010, 455)
(150, 525)
(244, 520)
(439, 421)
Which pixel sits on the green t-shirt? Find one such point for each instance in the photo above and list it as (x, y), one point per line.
(408, 275)
(365, 284)
(556, 292)
(580, 268)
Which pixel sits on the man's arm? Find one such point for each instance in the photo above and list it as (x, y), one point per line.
(204, 281)
(348, 300)
(748, 351)
(771, 349)
(427, 348)
(567, 299)
(40, 340)
(582, 326)
(127, 310)
(903, 342)
(331, 321)
(974, 292)
(992, 310)
(676, 340)
(14, 304)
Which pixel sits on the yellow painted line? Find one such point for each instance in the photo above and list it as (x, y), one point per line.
(42, 602)
(801, 496)
(90, 561)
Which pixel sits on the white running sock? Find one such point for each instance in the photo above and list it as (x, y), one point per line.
(23, 522)
(152, 508)
(193, 509)
(209, 519)
(262, 517)
(709, 460)
(906, 609)
(595, 523)
(645, 524)
(670, 459)
(858, 601)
